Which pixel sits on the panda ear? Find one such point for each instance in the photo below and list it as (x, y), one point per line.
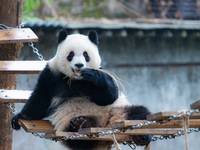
(93, 36)
(62, 35)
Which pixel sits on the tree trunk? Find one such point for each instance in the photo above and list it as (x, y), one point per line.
(10, 15)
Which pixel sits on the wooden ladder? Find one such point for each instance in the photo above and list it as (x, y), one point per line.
(44, 126)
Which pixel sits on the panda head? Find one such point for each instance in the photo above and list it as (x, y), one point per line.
(76, 52)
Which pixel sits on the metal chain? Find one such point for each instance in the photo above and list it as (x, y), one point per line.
(131, 145)
(4, 27)
(173, 136)
(36, 51)
(9, 105)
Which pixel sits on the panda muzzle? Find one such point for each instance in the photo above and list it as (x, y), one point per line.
(77, 72)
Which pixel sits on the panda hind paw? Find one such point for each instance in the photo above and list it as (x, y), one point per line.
(81, 122)
(15, 124)
(142, 140)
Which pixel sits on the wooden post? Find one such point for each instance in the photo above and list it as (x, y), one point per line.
(10, 15)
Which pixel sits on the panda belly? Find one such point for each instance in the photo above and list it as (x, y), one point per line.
(75, 107)
(82, 106)
(94, 115)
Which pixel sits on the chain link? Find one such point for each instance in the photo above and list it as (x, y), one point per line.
(4, 27)
(9, 105)
(130, 144)
(36, 51)
(173, 136)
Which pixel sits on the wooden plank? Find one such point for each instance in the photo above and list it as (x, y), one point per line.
(195, 116)
(161, 115)
(14, 96)
(41, 126)
(92, 130)
(165, 114)
(171, 124)
(24, 35)
(119, 138)
(22, 67)
(195, 105)
(133, 131)
(150, 132)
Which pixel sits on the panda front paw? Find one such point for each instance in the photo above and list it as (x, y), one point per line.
(14, 122)
(89, 74)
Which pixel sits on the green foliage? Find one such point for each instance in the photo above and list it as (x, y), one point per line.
(96, 12)
(88, 9)
(30, 6)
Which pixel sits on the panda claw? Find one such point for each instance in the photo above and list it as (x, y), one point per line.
(14, 123)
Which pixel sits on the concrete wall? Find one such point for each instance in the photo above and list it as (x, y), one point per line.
(170, 82)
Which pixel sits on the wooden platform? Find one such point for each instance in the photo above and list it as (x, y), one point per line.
(171, 124)
(40, 126)
(166, 114)
(44, 126)
(22, 67)
(195, 105)
(24, 35)
(14, 96)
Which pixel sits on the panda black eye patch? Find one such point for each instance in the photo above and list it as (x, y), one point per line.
(70, 56)
(87, 58)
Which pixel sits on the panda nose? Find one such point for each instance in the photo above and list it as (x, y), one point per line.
(79, 65)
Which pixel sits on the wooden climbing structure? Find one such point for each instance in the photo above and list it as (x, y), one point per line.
(165, 124)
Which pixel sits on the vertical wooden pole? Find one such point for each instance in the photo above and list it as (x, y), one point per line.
(10, 15)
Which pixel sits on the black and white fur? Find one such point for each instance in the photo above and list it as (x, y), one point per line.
(91, 99)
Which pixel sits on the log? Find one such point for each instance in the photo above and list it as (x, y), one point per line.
(10, 15)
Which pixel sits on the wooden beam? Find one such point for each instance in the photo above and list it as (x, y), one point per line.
(161, 115)
(171, 124)
(133, 131)
(150, 132)
(22, 67)
(119, 138)
(14, 96)
(24, 35)
(166, 114)
(92, 130)
(41, 126)
(195, 105)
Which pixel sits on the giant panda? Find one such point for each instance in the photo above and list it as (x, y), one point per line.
(73, 93)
